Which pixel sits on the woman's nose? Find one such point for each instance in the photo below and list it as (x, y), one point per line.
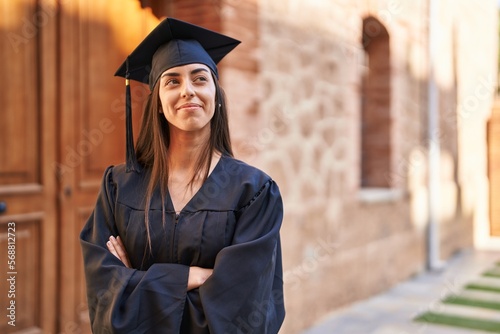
(187, 89)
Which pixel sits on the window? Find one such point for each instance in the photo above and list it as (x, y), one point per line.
(375, 106)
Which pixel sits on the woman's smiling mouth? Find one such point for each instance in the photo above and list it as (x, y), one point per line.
(189, 106)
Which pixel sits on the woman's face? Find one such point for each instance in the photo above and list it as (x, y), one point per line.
(187, 95)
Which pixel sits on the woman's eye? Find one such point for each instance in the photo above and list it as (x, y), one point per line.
(171, 82)
(200, 79)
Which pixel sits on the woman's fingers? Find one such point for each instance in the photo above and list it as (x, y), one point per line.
(116, 247)
(119, 240)
(198, 276)
(112, 249)
(123, 254)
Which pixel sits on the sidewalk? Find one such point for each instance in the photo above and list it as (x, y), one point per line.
(392, 312)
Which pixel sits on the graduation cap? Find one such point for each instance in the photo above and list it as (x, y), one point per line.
(172, 43)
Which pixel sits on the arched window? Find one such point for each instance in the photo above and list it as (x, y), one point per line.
(376, 106)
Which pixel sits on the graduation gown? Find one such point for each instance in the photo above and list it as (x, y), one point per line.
(231, 225)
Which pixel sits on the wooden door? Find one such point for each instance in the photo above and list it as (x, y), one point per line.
(27, 180)
(96, 36)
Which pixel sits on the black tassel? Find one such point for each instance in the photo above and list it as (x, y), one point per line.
(132, 164)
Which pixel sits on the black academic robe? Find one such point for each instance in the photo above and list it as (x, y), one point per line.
(231, 225)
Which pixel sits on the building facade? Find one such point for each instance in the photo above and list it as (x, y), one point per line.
(329, 97)
(337, 111)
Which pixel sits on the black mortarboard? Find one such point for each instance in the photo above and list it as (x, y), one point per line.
(172, 43)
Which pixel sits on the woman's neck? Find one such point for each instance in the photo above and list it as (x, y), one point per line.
(184, 150)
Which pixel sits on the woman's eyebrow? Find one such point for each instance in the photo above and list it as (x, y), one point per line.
(198, 70)
(170, 74)
(175, 74)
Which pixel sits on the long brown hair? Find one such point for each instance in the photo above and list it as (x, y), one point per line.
(154, 141)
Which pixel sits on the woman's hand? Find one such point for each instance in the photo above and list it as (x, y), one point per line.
(197, 276)
(116, 247)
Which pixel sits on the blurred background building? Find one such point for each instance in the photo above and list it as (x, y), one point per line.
(377, 118)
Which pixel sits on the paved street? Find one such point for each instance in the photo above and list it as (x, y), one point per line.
(392, 312)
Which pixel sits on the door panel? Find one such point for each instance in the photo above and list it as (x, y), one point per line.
(26, 278)
(19, 135)
(27, 183)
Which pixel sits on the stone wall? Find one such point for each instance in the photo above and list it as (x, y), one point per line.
(296, 113)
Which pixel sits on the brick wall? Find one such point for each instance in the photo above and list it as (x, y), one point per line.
(295, 91)
(337, 248)
(206, 13)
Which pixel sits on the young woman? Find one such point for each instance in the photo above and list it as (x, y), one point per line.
(183, 238)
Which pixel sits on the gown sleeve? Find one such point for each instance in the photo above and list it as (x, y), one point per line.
(245, 292)
(125, 300)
